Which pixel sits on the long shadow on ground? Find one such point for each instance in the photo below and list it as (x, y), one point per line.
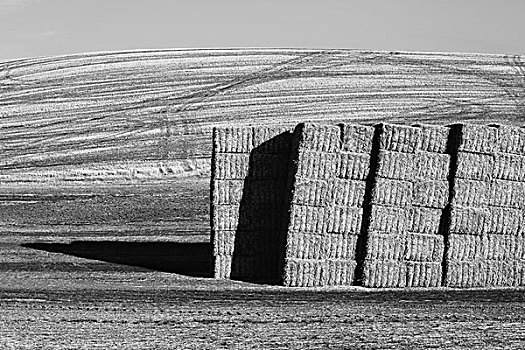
(191, 259)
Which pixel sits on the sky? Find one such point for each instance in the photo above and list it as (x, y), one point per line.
(30, 28)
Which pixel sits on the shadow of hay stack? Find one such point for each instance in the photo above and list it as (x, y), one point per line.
(260, 236)
(190, 259)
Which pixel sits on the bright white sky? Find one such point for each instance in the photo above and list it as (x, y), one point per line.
(54, 27)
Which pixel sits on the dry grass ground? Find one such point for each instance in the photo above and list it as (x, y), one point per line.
(76, 303)
(116, 147)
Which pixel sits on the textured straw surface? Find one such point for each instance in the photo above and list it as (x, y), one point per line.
(487, 216)
(249, 172)
(328, 189)
(383, 206)
(405, 243)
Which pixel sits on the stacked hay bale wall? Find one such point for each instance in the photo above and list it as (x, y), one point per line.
(486, 238)
(420, 198)
(249, 175)
(405, 241)
(328, 185)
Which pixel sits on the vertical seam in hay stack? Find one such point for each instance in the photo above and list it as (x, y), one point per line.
(326, 204)
(361, 248)
(410, 187)
(485, 234)
(452, 150)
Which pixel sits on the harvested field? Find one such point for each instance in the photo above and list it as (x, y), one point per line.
(80, 130)
(81, 303)
(105, 183)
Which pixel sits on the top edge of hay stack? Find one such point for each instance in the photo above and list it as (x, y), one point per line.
(379, 206)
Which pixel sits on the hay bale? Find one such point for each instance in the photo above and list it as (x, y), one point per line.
(305, 245)
(509, 167)
(307, 219)
(303, 273)
(505, 248)
(431, 166)
(272, 139)
(223, 242)
(519, 268)
(467, 220)
(357, 138)
(233, 139)
(389, 219)
(485, 261)
(466, 274)
(474, 257)
(396, 165)
(343, 219)
(222, 266)
(227, 191)
(349, 193)
(399, 138)
(321, 138)
(316, 165)
(230, 166)
(502, 274)
(471, 193)
(423, 274)
(312, 192)
(511, 139)
(340, 246)
(352, 166)
(260, 192)
(381, 246)
(505, 221)
(225, 218)
(424, 248)
(412, 203)
(424, 220)
(258, 267)
(261, 217)
(430, 193)
(475, 166)
(247, 198)
(269, 166)
(384, 274)
(396, 193)
(339, 272)
(508, 194)
(463, 247)
(244, 266)
(325, 214)
(433, 138)
(477, 138)
(256, 242)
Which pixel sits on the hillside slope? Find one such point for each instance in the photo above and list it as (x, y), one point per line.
(116, 146)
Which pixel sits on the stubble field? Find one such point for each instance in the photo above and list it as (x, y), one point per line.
(104, 198)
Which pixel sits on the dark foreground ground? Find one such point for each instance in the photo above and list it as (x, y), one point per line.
(50, 298)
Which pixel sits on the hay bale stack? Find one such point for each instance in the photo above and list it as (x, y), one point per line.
(388, 206)
(486, 237)
(405, 243)
(328, 182)
(249, 175)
